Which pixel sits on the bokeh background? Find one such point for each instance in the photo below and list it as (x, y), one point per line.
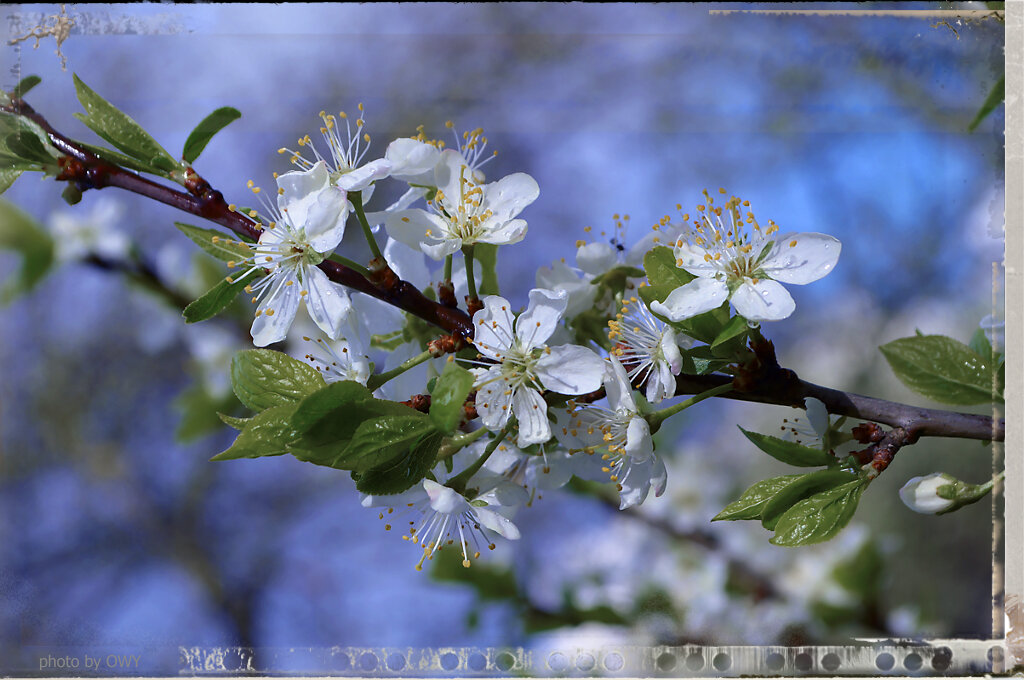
(118, 534)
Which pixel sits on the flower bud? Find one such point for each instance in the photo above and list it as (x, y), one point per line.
(939, 493)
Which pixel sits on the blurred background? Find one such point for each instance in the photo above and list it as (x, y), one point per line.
(117, 533)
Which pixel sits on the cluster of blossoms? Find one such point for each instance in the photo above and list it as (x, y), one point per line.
(529, 437)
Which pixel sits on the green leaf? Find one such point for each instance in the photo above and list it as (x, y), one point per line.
(487, 255)
(328, 400)
(8, 175)
(118, 128)
(26, 84)
(663, 276)
(980, 344)
(448, 396)
(707, 326)
(27, 147)
(214, 301)
(20, 233)
(72, 195)
(615, 279)
(750, 504)
(790, 452)
(119, 159)
(328, 418)
(216, 243)
(378, 440)
(205, 131)
(266, 434)
(819, 517)
(859, 574)
(994, 99)
(237, 423)
(262, 378)
(736, 328)
(941, 369)
(800, 488)
(403, 471)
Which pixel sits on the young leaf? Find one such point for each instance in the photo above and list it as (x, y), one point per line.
(262, 378)
(448, 396)
(218, 244)
(118, 128)
(819, 517)
(941, 369)
(119, 159)
(995, 97)
(7, 175)
(236, 423)
(799, 489)
(980, 344)
(404, 470)
(750, 504)
(790, 452)
(26, 84)
(378, 440)
(335, 397)
(27, 147)
(266, 434)
(736, 328)
(663, 276)
(205, 131)
(214, 301)
(20, 233)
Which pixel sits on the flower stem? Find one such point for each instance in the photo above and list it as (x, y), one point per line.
(658, 417)
(459, 481)
(357, 202)
(467, 252)
(448, 268)
(379, 379)
(350, 264)
(459, 442)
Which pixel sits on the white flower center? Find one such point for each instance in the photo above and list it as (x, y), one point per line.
(463, 215)
(346, 151)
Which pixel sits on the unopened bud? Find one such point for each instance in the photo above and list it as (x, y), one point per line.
(939, 493)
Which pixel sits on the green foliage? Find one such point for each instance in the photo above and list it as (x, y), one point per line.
(263, 378)
(378, 440)
(266, 434)
(819, 517)
(701, 359)
(996, 96)
(25, 85)
(207, 128)
(942, 369)
(216, 243)
(29, 150)
(119, 130)
(232, 421)
(20, 233)
(733, 335)
(214, 301)
(790, 452)
(663, 276)
(404, 470)
(487, 255)
(801, 488)
(448, 396)
(751, 503)
(7, 176)
(615, 279)
(328, 419)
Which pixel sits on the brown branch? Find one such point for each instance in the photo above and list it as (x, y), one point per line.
(202, 200)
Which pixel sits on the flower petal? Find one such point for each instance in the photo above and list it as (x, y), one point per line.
(300, 189)
(698, 296)
(817, 416)
(445, 500)
(639, 446)
(411, 226)
(327, 302)
(538, 322)
(570, 369)
(275, 314)
(407, 262)
(410, 158)
(559, 276)
(765, 300)
(492, 327)
(507, 197)
(325, 221)
(617, 386)
(502, 233)
(494, 400)
(361, 177)
(596, 258)
(532, 413)
(802, 258)
(500, 525)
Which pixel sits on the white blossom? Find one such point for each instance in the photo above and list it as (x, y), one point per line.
(922, 494)
(97, 232)
(525, 365)
(648, 348)
(738, 260)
